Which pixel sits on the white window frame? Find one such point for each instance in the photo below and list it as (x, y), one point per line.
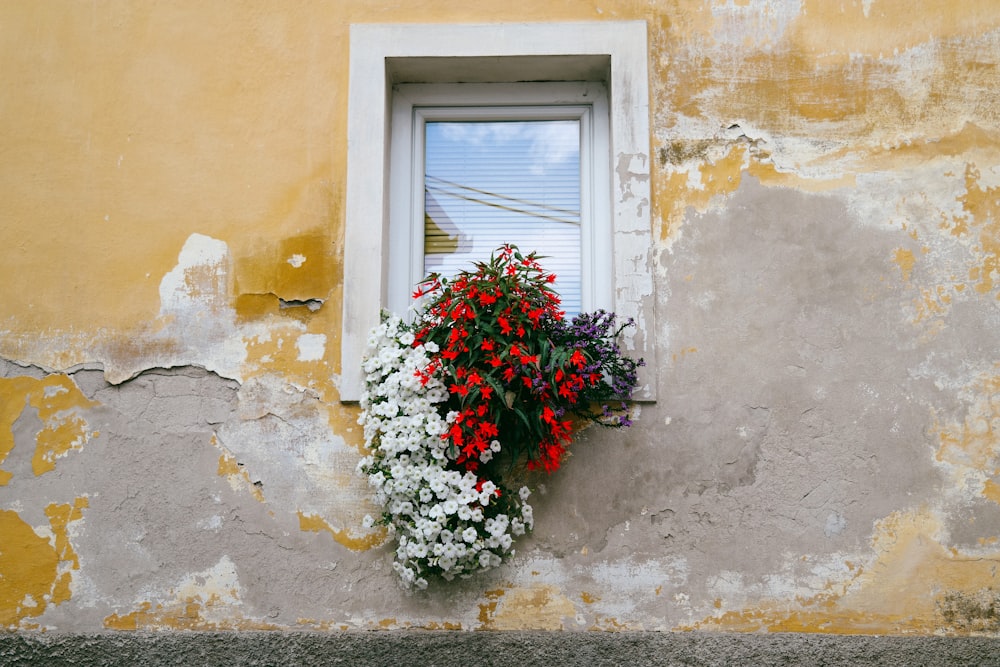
(381, 55)
(415, 104)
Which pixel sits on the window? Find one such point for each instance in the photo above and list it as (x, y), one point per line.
(420, 95)
(478, 165)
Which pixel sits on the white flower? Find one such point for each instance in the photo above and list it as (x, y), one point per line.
(413, 478)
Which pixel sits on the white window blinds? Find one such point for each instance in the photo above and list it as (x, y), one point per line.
(487, 183)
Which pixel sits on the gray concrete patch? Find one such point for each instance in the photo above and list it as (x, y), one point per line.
(444, 649)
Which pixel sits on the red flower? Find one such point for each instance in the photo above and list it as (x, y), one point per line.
(513, 392)
(548, 415)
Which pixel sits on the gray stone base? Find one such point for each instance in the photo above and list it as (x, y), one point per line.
(520, 649)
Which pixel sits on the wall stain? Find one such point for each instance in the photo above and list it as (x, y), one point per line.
(206, 600)
(679, 151)
(908, 152)
(905, 260)
(609, 624)
(970, 448)
(540, 607)
(969, 612)
(839, 31)
(191, 613)
(982, 208)
(901, 591)
(768, 174)
(444, 625)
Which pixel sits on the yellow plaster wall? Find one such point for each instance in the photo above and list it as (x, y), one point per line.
(131, 129)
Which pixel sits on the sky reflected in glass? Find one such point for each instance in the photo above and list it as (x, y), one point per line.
(493, 182)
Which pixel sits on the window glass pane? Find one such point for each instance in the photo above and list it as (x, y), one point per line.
(496, 182)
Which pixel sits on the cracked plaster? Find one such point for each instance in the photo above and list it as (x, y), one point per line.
(823, 456)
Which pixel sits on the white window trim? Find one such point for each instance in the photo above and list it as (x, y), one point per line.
(384, 54)
(415, 104)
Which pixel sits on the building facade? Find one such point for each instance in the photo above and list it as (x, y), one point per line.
(816, 268)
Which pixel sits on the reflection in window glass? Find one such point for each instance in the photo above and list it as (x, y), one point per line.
(496, 182)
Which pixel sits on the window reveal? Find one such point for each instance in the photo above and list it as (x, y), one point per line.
(465, 66)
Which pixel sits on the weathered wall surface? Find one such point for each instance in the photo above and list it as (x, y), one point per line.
(825, 453)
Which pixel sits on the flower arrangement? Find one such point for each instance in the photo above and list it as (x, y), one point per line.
(489, 379)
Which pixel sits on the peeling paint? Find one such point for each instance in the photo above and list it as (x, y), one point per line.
(982, 206)
(901, 591)
(35, 570)
(969, 447)
(867, 327)
(238, 477)
(208, 600)
(59, 404)
(344, 537)
(29, 566)
(538, 608)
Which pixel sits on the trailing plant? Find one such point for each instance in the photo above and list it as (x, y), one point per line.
(488, 379)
